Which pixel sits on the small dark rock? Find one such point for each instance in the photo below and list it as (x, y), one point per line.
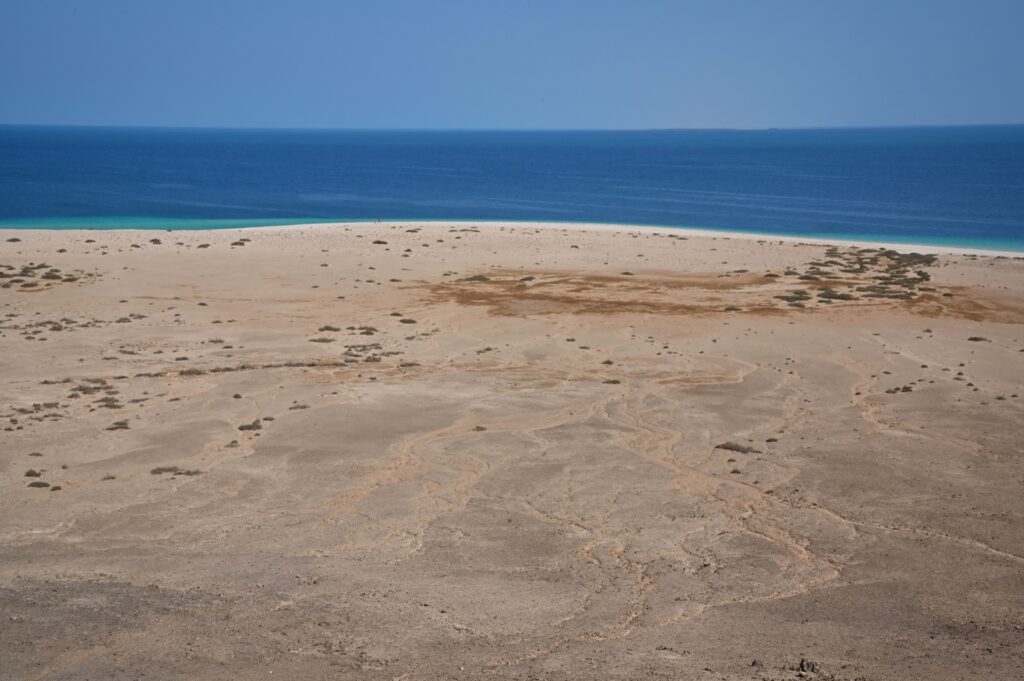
(734, 447)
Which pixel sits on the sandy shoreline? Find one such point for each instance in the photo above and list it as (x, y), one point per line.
(686, 231)
(507, 451)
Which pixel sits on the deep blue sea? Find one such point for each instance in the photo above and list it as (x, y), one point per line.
(961, 186)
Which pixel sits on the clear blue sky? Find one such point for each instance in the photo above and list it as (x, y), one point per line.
(511, 64)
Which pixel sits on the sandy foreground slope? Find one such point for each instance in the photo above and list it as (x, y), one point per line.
(499, 451)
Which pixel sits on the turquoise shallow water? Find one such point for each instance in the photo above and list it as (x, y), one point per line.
(959, 187)
(157, 223)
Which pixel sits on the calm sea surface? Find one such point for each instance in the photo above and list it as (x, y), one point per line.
(957, 186)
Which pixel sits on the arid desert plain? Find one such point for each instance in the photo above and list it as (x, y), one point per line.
(507, 451)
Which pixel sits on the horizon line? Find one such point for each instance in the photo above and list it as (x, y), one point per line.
(484, 129)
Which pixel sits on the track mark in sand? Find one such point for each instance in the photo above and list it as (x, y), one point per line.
(69, 662)
(861, 524)
(655, 444)
(410, 464)
(868, 405)
(867, 411)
